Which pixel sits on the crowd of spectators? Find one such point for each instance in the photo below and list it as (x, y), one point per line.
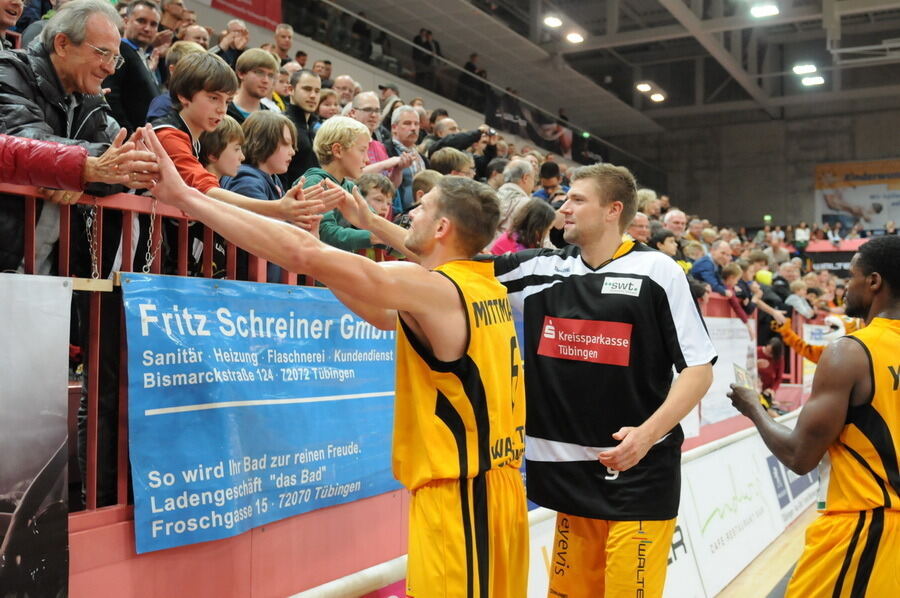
(251, 126)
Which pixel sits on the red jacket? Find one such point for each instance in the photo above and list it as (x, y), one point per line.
(175, 137)
(41, 163)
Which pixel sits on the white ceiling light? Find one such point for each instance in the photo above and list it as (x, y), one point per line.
(816, 80)
(643, 87)
(658, 97)
(804, 69)
(553, 22)
(761, 11)
(574, 37)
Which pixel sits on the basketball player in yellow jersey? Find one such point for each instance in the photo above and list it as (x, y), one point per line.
(853, 549)
(460, 409)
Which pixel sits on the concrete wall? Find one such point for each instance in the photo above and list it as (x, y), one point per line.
(733, 174)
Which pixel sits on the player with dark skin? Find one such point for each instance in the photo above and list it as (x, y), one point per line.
(843, 380)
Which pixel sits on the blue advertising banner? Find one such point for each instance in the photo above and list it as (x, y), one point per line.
(249, 403)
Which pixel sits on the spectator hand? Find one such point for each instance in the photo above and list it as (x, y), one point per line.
(299, 204)
(60, 197)
(241, 39)
(633, 445)
(163, 38)
(744, 399)
(356, 210)
(406, 160)
(122, 163)
(153, 60)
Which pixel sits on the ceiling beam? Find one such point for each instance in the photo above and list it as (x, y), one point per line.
(686, 17)
(667, 32)
(799, 99)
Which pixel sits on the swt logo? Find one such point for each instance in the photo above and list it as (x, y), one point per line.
(595, 341)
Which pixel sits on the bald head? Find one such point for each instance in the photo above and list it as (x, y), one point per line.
(197, 34)
(345, 86)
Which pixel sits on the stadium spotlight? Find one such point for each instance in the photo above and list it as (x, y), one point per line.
(551, 21)
(574, 37)
(804, 69)
(761, 11)
(658, 97)
(815, 80)
(643, 87)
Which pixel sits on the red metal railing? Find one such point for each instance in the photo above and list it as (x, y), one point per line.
(131, 206)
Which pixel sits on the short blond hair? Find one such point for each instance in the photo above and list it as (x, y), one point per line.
(798, 285)
(337, 129)
(614, 183)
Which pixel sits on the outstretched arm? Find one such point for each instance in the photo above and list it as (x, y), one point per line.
(389, 285)
(841, 368)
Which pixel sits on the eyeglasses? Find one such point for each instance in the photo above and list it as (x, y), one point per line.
(107, 56)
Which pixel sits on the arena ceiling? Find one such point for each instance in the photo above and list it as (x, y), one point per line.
(704, 56)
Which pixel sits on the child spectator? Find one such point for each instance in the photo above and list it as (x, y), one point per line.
(220, 150)
(530, 225)
(378, 191)
(797, 300)
(341, 145)
(200, 88)
(270, 141)
(664, 240)
(770, 367)
(329, 105)
(731, 274)
(693, 251)
(422, 183)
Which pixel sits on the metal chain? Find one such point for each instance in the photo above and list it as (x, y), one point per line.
(151, 254)
(90, 220)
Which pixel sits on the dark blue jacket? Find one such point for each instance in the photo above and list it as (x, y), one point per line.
(253, 182)
(706, 270)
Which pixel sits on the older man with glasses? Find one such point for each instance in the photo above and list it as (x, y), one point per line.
(52, 91)
(365, 108)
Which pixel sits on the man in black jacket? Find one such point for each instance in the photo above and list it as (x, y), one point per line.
(133, 87)
(449, 136)
(52, 91)
(305, 88)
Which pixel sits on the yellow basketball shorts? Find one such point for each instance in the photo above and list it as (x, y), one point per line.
(599, 558)
(850, 554)
(469, 538)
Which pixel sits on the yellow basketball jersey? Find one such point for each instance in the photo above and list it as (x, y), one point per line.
(864, 470)
(454, 420)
